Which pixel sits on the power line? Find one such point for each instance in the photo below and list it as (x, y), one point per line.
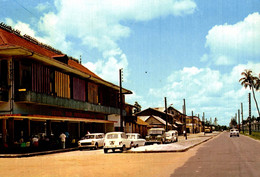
(35, 16)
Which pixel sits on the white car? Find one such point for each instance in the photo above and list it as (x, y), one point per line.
(234, 132)
(135, 139)
(171, 136)
(116, 140)
(93, 140)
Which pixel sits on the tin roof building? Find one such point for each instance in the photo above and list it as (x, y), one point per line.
(43, 91)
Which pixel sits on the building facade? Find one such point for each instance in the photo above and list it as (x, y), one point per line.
(43, 91)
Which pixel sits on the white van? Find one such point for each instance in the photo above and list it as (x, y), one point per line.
(116, 140)
(171, 136)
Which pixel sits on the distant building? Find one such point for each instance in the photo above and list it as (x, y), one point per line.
(43, 91)
(156, 117)
(193, 124)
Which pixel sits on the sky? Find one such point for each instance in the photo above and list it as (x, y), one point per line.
(178, 49)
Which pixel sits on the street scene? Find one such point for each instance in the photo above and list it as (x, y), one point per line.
(219, 156)
(129, 88)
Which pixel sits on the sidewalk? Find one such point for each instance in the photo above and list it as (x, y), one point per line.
(180, 146)
(30, 154)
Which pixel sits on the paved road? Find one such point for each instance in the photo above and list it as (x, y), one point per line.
(224, 156)
(220, 156)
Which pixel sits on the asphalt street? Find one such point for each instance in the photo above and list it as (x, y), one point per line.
(224, 156)
(220, 156)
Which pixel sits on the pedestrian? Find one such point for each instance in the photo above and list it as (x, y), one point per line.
(63, 140)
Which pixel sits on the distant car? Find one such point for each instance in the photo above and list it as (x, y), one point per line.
(155, 135)
(116, 140)
(234, 132)
(208, 130)
(135, 139)
(93, 140)
(171, 136)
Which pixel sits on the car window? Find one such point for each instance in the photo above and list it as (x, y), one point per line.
(112, 136)
(100, 136)
(123, 135)
(89, 137)
(130, 136)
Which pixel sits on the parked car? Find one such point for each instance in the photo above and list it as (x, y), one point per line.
(93, 140)
(116, 140)
(234, 132)
(208, 130)
(156, 135)
(171, 136)
(135, 139)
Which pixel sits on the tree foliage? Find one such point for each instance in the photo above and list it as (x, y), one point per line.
(248, 80)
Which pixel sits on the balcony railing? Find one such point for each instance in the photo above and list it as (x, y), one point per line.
(44, 99)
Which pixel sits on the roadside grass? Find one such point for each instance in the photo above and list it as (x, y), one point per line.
(255, 135)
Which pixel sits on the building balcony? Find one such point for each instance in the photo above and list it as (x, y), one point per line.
(44, 99)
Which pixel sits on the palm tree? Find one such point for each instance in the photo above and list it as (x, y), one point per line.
(257, 83)
(249, 81)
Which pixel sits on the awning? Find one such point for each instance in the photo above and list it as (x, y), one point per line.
(55, 118)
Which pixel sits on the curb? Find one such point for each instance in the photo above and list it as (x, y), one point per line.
(37, 153)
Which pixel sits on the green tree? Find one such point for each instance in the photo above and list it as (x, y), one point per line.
(248, 80)
(257, 82)
(138, 107)
(233, 122)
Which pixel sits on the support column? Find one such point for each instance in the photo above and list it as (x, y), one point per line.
(26, 129)
(11, 131)
(82, 129)
(48, 128)
(4, 131)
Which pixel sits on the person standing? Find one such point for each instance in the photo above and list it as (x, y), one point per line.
(63, 140)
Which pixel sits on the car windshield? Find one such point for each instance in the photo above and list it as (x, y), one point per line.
(89, 137)
(112, 136)
(168, 134)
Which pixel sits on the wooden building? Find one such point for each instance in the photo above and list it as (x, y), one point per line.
(156, 117)
(43, 91)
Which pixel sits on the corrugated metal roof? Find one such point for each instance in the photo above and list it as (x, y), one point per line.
(141, 122)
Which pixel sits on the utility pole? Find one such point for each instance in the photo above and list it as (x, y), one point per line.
(242, 117)
(238, 114)
(249, 107)
(166, 116)
(192, 122)
(203, 120)
(121, 100)
(184, 112)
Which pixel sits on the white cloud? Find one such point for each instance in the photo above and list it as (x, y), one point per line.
(24, 29)
(97, 24)
(43, 6)
(207, 90)
(229, 43)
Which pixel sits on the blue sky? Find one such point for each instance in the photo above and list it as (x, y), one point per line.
(192, 49)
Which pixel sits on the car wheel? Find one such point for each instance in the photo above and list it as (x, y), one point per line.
(96, 146)
(176, 139)
(123, 148)
(105, 150)
(237, 135)
(230, 135)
